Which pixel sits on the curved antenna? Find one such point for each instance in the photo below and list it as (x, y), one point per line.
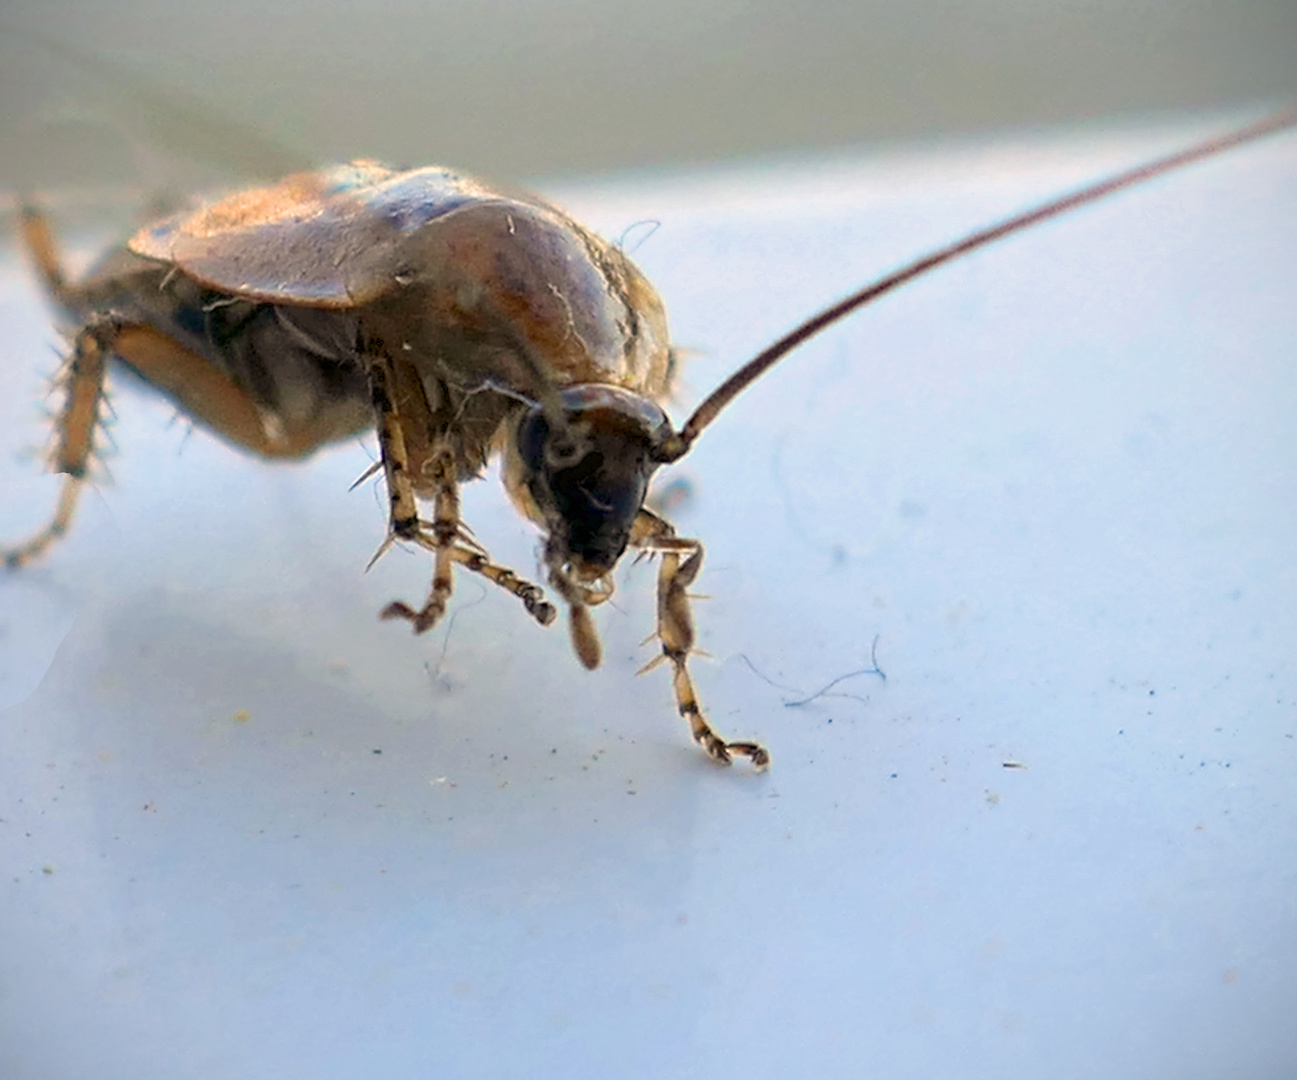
(676, 446)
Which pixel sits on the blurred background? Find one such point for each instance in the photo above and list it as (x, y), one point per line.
(249, 831)
(101, 95)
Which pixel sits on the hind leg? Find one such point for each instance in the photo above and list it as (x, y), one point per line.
(77, 426)
(82, 382)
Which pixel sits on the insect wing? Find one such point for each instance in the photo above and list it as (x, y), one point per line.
(326, 239)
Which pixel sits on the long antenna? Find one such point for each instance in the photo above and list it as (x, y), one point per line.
(676, 446)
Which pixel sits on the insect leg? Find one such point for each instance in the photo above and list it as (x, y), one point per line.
(682, 559)
(532, 596)
(84, 390)
(39, 240)
(446, 539)
(446, 542)
(403, 514)
(441, 542)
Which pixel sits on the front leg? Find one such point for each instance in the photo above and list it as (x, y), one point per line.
(441, 540)
(446, 539)
(681, 561)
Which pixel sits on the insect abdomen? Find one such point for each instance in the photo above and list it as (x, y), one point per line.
(296, 366)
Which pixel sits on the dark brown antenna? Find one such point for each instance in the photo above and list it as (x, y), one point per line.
(678, 445)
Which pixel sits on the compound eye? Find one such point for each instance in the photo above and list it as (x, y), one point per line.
(533, 435)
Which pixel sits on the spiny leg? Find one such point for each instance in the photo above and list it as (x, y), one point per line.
(448, 547)
(77, 425)
(532, 596)
(446, 540)
(403, 514)
(442, 543)
(681, 561)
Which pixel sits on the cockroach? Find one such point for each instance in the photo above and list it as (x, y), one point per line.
(460, 323)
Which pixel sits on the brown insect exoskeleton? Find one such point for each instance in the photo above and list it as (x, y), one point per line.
(459, 323)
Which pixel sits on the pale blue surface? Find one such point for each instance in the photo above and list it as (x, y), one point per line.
(1058, 483)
